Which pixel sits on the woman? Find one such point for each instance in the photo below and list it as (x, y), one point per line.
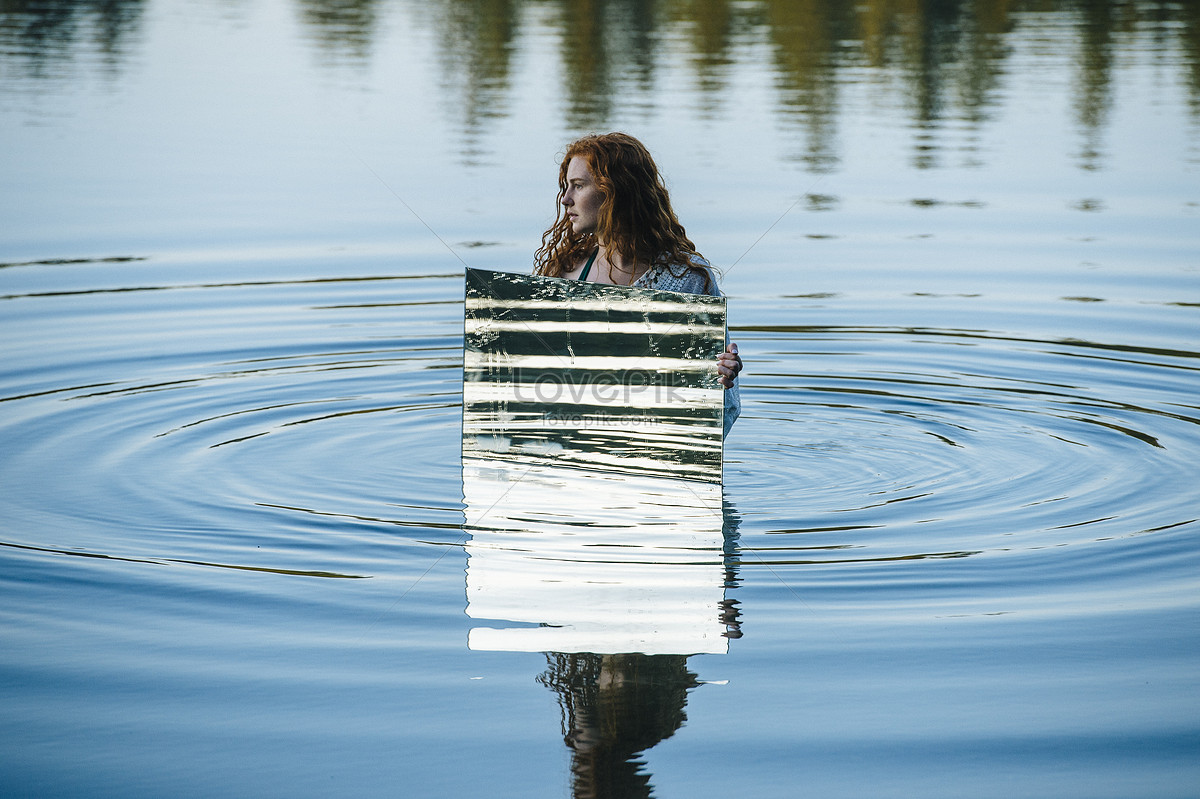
(615, 225)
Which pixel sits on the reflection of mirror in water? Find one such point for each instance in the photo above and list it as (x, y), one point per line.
(592, 562)
(618, 579)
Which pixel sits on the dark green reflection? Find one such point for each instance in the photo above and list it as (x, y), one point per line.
(1093, 90)
(613, 708)
(949, 57)
(476, 48)
(343, 29)
(37, 37)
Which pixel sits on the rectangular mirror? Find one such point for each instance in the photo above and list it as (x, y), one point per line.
(599, 377)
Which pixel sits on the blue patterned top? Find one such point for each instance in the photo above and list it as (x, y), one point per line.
(697, 278)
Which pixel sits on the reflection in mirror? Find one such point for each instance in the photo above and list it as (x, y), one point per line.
(567, 373)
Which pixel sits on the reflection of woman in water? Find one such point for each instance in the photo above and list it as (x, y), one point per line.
(615, 225)
(615, 706)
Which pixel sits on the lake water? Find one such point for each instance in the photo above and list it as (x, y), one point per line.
(957, 548)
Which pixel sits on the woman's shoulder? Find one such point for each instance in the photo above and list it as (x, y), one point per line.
(695, 277)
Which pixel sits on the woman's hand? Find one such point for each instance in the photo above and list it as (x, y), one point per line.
(729, 363)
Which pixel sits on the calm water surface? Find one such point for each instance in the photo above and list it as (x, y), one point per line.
(956, 552)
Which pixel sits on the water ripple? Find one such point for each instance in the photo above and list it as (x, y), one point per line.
(311, 427)
(923, 443)
(234, 427)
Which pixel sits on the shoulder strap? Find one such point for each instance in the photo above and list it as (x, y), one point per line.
(588, 267)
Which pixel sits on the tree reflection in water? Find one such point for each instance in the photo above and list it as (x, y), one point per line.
(38, 37)
(949, 60)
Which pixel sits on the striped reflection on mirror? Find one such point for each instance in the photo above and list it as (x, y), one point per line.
(592, 376)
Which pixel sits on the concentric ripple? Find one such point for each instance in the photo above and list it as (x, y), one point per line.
(892, 445)
(311, 425)
(255, 425)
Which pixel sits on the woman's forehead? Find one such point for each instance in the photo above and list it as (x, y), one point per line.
(578, 168)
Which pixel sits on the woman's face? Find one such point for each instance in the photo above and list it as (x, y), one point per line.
(582, 198)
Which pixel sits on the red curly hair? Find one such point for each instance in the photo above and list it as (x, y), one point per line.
(635, 219)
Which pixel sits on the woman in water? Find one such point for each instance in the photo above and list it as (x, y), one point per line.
(615, 225)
